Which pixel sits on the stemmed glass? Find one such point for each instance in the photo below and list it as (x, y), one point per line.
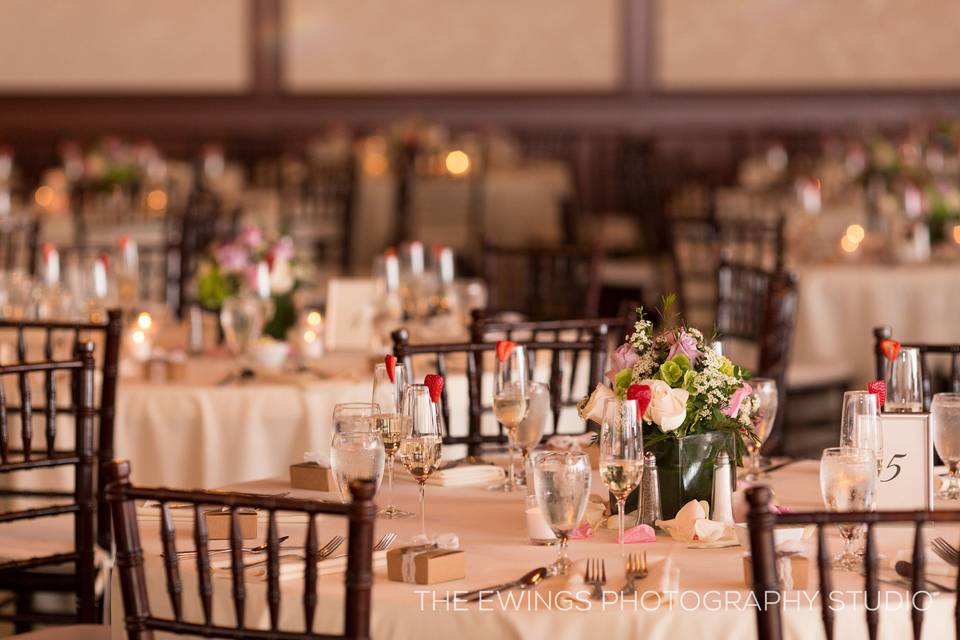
(242, 319)
(904, 386)
(562, 485)
(848, 482)
(356, 455)
(860, 424)
(621, 452)
(510, 398)
(530, 429)
(355, 416)
(765, 390)
(388, 395)
(945, 411)
(421, 444)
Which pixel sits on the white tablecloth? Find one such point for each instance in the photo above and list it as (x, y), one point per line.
(491, 530)
(840, 304)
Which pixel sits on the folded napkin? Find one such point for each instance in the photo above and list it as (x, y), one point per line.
(292, 567)
(571, 443)
(467, 475)
(692, 525)
(935, 565)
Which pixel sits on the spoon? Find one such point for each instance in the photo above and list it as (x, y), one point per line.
(529, 579)
(905, 570)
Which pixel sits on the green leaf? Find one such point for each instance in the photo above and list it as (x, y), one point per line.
(621, 382)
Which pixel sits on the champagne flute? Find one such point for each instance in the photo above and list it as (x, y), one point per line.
(355, 416)
(421, 443)
(356, 455)
(904, 386)
(945, 411)
(510, 401)
(621, 452)
(765, 390)
(848, 482)
(530, 429)
(388, 395)
(562, 485)
(860, 424)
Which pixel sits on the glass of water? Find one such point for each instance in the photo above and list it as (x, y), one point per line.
(848, 482)
(945, 411)
(355, 416)
(860, 424)
(904, 383)
(562, 485)
(356, 455)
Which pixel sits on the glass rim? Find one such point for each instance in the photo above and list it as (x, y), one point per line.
(382, 366)
(868, 454)
(350, 435)
(542, 455)
(351, 406)
(947, 395)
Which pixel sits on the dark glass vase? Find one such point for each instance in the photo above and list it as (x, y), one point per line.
(685, 469)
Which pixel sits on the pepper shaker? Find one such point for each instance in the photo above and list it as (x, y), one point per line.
(721, 504)
(649, 510)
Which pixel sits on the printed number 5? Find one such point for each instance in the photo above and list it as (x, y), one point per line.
(893, 465)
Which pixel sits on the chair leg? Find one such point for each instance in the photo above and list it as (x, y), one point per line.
(24, 606)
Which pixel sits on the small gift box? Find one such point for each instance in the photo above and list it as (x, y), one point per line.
(792, 570)
(218, 524)
(425, 564)
(313, 474)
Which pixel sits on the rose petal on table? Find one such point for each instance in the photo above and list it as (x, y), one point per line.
(638, 534)
(582, 532)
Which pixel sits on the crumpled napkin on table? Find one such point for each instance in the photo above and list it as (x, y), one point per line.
(692, 525)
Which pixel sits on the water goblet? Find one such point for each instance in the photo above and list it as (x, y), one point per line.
(355, 416)
(848, 482)
(945, 411)
(356, 455)
(562, 485)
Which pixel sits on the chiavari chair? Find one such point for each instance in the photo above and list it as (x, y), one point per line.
(766, 588)
(323, 217)
(140, 615)
(19, 240)
(19, 454)
(928, 372)
(476, 354)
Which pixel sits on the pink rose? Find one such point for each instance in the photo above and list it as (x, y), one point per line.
(251, 237)
(686, 345)
(231, 258)
(623, 358)
(283, 250)
(736, 400)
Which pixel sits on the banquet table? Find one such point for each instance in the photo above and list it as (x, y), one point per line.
(710, 598)
(839, 304)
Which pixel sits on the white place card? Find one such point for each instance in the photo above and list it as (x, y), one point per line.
(906, 475)
(349, 313)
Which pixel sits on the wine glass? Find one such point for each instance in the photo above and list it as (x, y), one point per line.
(945, 411)
(904, 386)
(530, 429)
(510, 401)
(356, 455)
(388, 395)
(421, 443)
(242, 318)
(621, 452)
(355, 416)
(765, 390)
(848, 482)
(860, 424)
(562, 484)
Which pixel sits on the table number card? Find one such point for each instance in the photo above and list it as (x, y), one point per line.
(906, 475)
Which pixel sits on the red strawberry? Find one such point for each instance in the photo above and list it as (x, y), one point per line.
(879, 387)
(434, 382)
(890, 348)
(642, 394)
(504, 349)
(391, 362)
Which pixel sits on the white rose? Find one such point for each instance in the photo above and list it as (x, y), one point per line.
(668, 407)
(281, 277)
(593, 409)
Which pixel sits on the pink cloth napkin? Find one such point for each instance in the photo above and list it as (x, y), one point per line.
(639, 533)
(582, 532)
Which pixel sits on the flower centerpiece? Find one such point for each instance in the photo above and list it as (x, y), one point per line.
(234, 267)
(694, 403)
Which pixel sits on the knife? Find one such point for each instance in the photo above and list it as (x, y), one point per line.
(529, 579)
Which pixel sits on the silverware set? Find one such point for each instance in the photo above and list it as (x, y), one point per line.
(260, 548)
(596, 577)
(327, 550)
(636, 569)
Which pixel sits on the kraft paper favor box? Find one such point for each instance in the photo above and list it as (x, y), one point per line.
(218, 524)
(799, 569)
(311, 476)
(425, 564)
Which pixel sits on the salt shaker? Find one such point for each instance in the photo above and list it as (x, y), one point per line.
(649, 491)
(721, 505)
(196, 330)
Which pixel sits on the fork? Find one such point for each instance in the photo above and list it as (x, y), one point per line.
(384, 543)
(947, 552)
(636, 569)
(323, 552)
(596, 577)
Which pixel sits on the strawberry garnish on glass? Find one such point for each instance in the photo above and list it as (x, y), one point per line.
(434, 383)
(504, 349)
(391, 362)
(890, 349)
(878, 387)
(642, 394)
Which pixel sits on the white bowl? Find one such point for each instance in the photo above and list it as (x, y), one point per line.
(271, 354)
(780, 534)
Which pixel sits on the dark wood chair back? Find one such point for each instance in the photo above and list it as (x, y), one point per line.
(561, 355)
(927, 372)
(19, 240)
(53, 338)
(139, 618)
(25, 457)
(543, 283)
(762, 521)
